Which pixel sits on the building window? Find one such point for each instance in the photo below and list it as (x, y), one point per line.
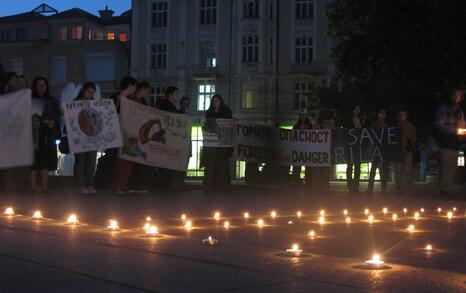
(77, 32)
(207, 54)
(250, 8)
(22, 34)
(16, 65)
(62, 33)
(250, 49)
(159, 56)
(90, 33)
(205, 93)
(157, 93)
(59, 70)
(111, 36)
(99, 67)
(302, 94)
(247, 100)
(208, 12)
(7, 35)
(303, 50)
(123, 37)
(159, 14)
(304, 9)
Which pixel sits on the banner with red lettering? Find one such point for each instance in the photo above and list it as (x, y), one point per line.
(154, 137)
(262, 144)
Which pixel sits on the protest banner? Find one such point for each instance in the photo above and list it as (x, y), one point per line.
(262, 144)
(154, 137)
(16, 143)
(92, 125)
(363, 145)
(37, 106)
(220, 133)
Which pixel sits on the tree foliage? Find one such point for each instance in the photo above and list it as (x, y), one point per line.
(392, 53)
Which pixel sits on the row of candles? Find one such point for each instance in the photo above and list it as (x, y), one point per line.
(295, 250)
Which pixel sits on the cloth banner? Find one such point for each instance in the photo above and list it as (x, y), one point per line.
(16, 143)
(92, 125)
(220, 133)
(364, 145)
(154, 137)
(262, 144)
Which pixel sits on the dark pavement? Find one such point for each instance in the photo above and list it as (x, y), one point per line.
(49, 256)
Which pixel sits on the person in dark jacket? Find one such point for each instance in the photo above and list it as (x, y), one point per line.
(378, 163)
(354, 121)
(46, 130)
(166, 176)
(84, 166)
(217, 169)
(302, 124)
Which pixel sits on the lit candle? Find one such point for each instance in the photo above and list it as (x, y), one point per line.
(290, 223)
(422, 210)
(246, 215)
(385, 211)
(299, 214)
(416, 216)
(370, 219)
(260, 223)
(312, 234)
(146, 226)
(366, 212)
(148, 219)
(210, 241)
(113, 225)
(394, 217)
(153, 231)
(294, 250)
(217, 216)
(321, 219)
(345, 212)
(405, 210)
(429, 247)
(450, 215)
(348, 220)
(322, 213)
(9, 212)
(461, 131)
(439, 210)
(273, 214)
(72, 220)
(454, 209)
(188, 225)
(37, 215)
(184, 217)
(410, 228)
(375, 262)
(226, 225)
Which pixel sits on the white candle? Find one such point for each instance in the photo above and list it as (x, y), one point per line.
(394, 217)
(312, 233)
(299, 214)
(184, 217)
(246, 215)
(345, 212)
(348, 220)
(295, 250)
(273, 214)
(366, 212)
(113, 225)
(260, 223)
(226, 225)
(416, 216)
(210, 241)
(370, 219)
(410, 228)
(375, 262)
(322, 213)
(72, 220)
(153, 231)
(38, 215)
(385, 211)
(188, 225)
(321, 220)
(9, 211)
(217, 216)
(449, 215)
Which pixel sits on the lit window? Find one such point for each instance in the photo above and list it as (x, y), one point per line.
(247, 101)
(77, 32)
(159, 14)
(157, 93)
(123, 37)
(159, 56)
(62, 33)
(250, 49)
(111, 36)
(90, 34)
(205, 93)
(304, 9)
(207, 54)
(304, 50)
(250, 8)
(208, 12)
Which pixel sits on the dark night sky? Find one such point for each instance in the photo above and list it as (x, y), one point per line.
(20, 6)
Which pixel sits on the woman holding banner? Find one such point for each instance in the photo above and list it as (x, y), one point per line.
(354, 121)
(217, 169)
(84, 166)
(45, 131)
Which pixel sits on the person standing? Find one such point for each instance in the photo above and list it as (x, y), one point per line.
(169, 105)
(321, 175)
(85, 163)
(404, 169)
(448, 118)
(141, 175)
(46, 130)
(303, 123)
(12, 82)
(354, 121)
(217, 168)
(377, 162)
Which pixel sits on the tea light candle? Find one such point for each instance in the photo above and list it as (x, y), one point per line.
(217, 216)
(394, 217)
(273, 214)
(210, 241)
(188, 225)
(9, 212)
(416, 216)
(410, 228)
(246, 215)
(321, 220)
(295, 250)
(450, 215)
(439, 210)
(37, 215)
(385, 211)
(113, 225)
(312, 234)
(226, 225)
(348, 220)
(405, 210)
(370, 219)
(375, 262)
(260, 223)
(153, 231)
(345, 212)
(184, 217)
(322, 213)
(429, 247)
(299, 214)
(72, 220)
(422, 210)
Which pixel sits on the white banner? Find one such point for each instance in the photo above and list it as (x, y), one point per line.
(220, 133)
(92, 125)
(154, 137)
(262, 144)
(16, 144)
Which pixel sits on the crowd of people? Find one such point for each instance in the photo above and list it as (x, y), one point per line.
(123, 176)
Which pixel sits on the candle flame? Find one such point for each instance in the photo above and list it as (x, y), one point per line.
(410, 228)
(429, 247)
(246, 215)
(226, 225)
(188, 225)
(72, 219)
(152, 231)
(273, 214)
(113, 225)
(385, 210)
(38, 215)
(394, 217)
(183, 217)
(405, 210)
(345, 212)
(348, 220)
(370, 219)
(321, 219)
(366, 211)
(312, 233)
(322, 212)
(9, 211)
(299, 214)
(450, 215)
(260, 223)
(217, 216)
